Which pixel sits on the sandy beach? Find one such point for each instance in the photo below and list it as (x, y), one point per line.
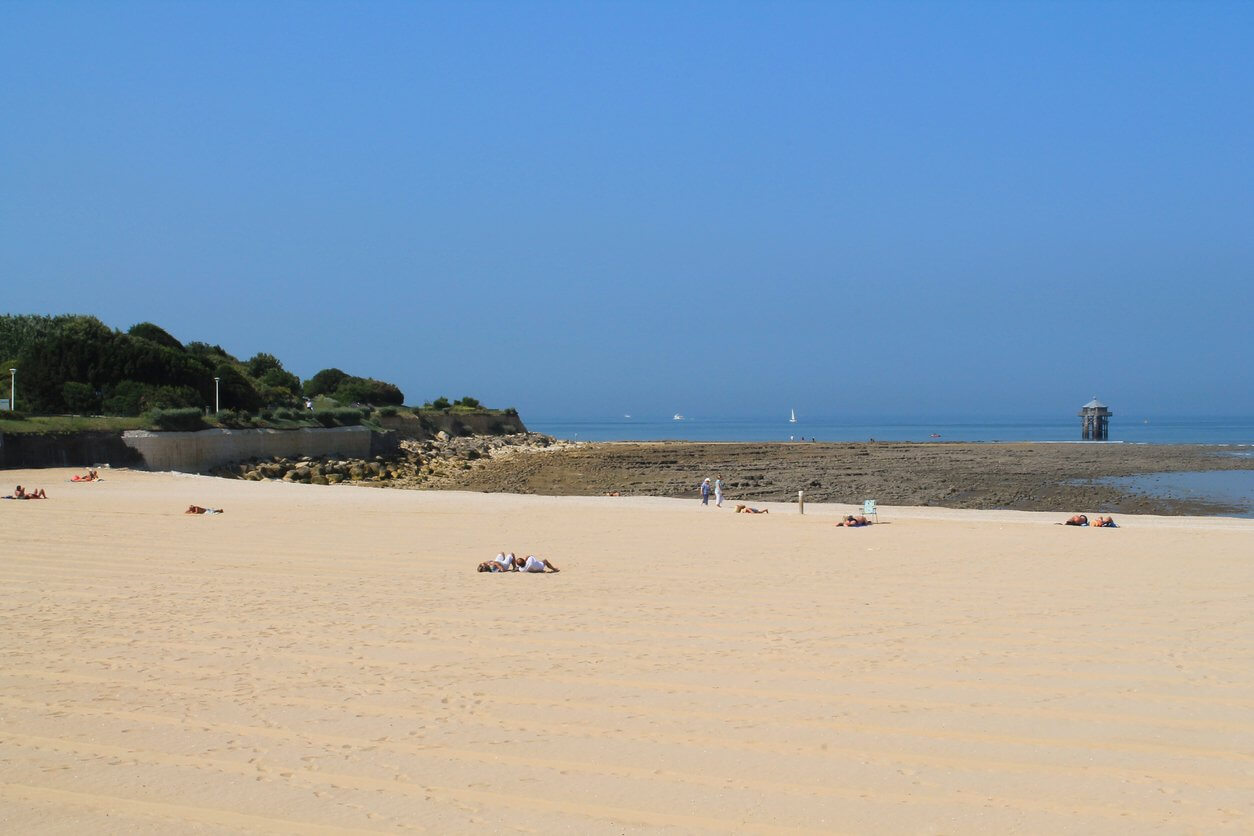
(327, 660)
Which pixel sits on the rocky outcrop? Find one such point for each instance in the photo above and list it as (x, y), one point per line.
(441, 462)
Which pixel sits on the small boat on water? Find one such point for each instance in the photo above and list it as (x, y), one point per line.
(678, 417)
(792, 416)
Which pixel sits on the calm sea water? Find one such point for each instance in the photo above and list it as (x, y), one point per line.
(1238, 432)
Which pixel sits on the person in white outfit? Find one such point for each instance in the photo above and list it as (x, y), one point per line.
(501, 563)
(534, 564)
(718, 492)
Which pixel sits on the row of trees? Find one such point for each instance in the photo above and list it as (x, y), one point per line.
(78, 364)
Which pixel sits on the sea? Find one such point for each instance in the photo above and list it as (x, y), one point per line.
(1235, 432)
(1230, 437)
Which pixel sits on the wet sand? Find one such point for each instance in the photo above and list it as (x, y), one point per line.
(1017, 476)
(326, 660)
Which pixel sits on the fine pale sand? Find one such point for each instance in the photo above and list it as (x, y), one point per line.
(327, 659)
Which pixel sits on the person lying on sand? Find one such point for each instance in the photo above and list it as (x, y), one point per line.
(91, 476)
(854, 522)
(21, 493)
(501, 563)
(1078, 519)
(534, 564)
(745, 509)
(196, 509)
(509, 563)
(1104, 522)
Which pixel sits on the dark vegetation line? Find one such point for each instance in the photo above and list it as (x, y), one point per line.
(74, 365)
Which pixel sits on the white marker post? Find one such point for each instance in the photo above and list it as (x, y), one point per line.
(801, 501)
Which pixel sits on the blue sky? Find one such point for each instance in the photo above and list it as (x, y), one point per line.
(585, 209)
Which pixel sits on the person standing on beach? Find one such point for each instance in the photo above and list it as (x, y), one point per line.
(718, 492)
(705, 491)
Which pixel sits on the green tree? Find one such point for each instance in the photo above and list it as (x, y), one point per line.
(235, 390)
(324, 382)
(79, 398)
(368, 390)
(124, 398)
(153, 333)
(261, 363)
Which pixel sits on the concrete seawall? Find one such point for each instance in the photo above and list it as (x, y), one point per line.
(78, 449)
(198, 452)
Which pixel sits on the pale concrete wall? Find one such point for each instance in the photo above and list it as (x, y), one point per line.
(202, 451)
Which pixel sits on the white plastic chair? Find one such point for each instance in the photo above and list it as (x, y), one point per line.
(868, 509)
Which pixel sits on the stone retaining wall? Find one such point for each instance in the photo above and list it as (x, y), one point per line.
(80, 449)
(199, 452)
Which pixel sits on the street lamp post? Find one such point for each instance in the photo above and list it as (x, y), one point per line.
(13, 389)
(216, 401)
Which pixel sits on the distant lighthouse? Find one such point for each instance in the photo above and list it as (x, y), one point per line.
(1094, 421)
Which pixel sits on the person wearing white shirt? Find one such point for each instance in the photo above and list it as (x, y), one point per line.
(534, 564)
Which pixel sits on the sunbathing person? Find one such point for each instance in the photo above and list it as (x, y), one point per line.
(854, 522)
(745, 509)
(1104, 522)
(196, 509)
(1078, 519)
(91, 476)
(534, 564)
(21, 493)
(492, 566)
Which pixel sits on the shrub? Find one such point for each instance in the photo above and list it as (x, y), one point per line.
(469, 402)
(186, 419)
(339, 416)
(368, 390)
(235, 419)
(387, 411)
(79, 398)
(440, 403)
(124, 398)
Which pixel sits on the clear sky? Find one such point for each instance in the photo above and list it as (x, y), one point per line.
(591, 208)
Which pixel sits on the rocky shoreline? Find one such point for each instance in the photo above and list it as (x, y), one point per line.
(1019, 476)
(441, 463)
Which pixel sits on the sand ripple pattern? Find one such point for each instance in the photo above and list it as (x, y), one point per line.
(326, 660)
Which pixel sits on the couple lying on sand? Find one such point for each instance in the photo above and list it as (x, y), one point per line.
(509, 563)
(196, 509)
(853, 522)
(1100, 522)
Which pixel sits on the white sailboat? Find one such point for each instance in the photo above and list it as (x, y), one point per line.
(678, 417)
(792, 417)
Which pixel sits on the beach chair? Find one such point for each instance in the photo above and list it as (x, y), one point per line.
(868, 509)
